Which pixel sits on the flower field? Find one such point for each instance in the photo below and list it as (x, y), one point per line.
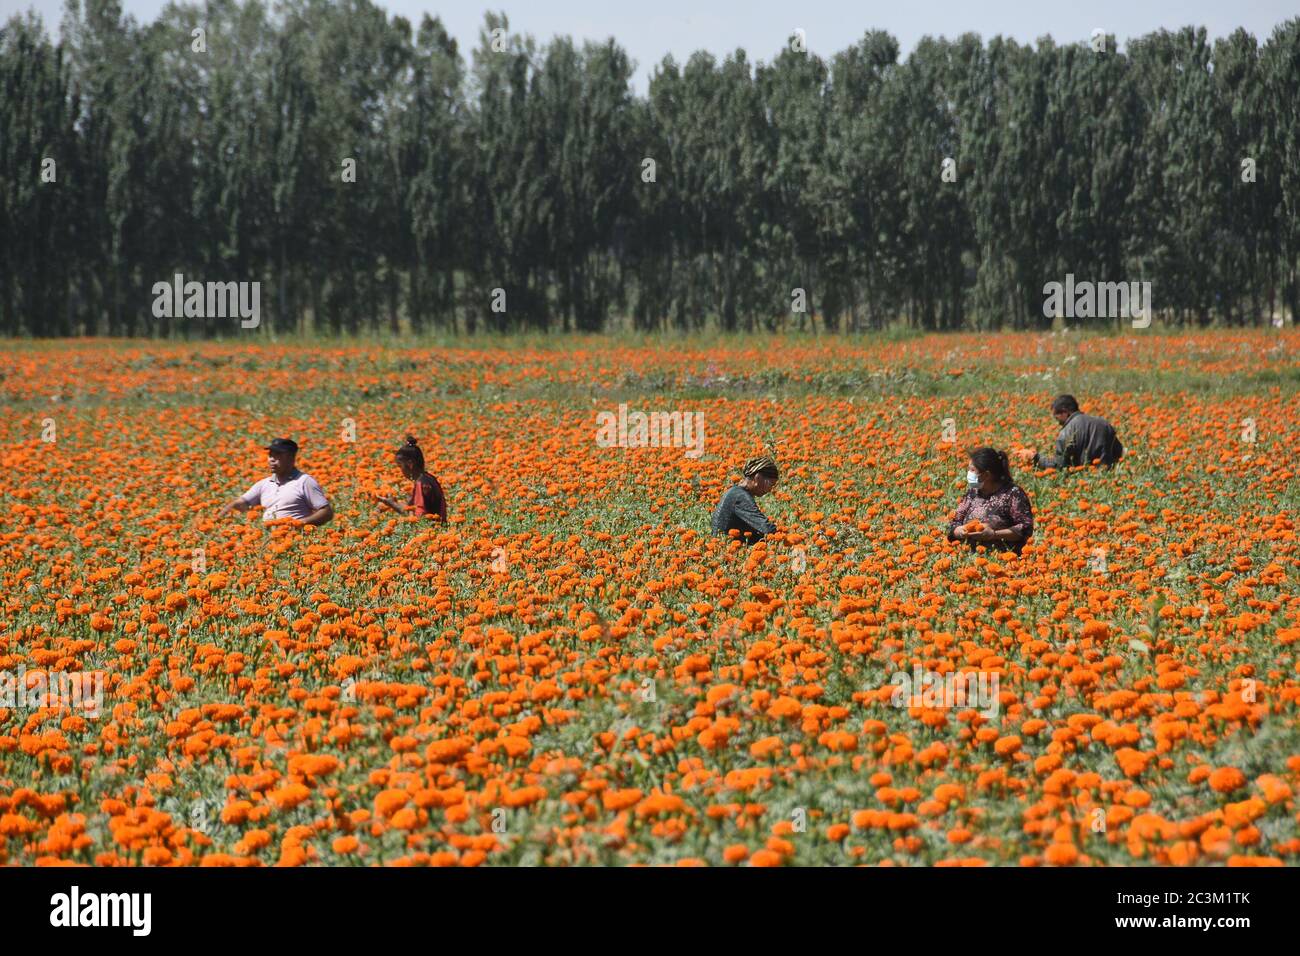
(574, 671)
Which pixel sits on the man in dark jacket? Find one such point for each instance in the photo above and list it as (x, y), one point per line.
(737, 510)
(1084, 439)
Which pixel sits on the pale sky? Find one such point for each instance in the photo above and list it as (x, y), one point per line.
(648, 29)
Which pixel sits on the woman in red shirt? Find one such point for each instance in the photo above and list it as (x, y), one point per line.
(426, 494)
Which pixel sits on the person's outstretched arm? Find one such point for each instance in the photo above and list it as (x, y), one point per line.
(963, 509)
(320, 516)
(244, 501)
(747, 511)
(1021, 527)
(316, 498)
(1065, 443)
(239, 504)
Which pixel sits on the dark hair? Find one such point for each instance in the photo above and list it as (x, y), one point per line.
(763, 465)
(993, 461)
(411, 452)
(1065, 403)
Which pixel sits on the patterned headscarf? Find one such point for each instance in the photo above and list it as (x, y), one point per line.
(763, 465)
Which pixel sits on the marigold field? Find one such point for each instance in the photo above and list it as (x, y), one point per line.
(573, 671)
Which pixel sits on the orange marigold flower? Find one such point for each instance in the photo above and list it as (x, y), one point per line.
(736, 853)
(1227, 779)
(289, 796)
(388, 802)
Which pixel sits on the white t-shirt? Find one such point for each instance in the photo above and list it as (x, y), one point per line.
(298, 496)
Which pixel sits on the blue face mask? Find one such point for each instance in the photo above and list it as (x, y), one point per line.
(972, 478)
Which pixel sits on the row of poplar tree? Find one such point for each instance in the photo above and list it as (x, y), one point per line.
(371, 177)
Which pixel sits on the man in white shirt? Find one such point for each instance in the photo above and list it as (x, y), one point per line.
(286, 492)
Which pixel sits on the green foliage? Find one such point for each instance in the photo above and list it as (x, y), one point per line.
(522, 174)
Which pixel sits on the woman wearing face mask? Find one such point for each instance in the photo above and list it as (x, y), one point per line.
(995, 511)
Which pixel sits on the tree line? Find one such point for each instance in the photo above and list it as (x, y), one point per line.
(371, 178)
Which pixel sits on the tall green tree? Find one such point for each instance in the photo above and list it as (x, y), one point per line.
(368, 178)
